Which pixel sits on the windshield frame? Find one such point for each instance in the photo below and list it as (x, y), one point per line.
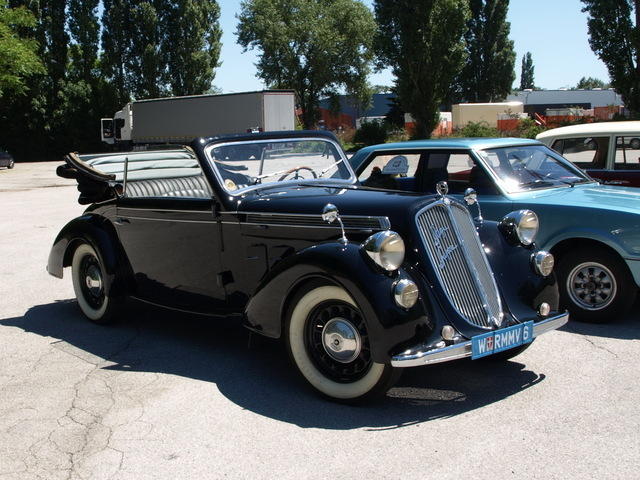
(341, 181)
(503, 186)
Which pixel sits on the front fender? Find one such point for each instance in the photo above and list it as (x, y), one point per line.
(522, 289)
(101, 235)
(345, 265)
(624, 241)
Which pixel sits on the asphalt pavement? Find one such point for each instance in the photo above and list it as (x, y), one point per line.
(169, 396)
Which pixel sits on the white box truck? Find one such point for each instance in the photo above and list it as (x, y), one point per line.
(181, 119)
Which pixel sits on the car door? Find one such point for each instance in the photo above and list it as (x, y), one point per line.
(626, 161)
(171, 234)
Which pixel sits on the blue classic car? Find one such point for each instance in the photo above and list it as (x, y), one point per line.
(592, 230)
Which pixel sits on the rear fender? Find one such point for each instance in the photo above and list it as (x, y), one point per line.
(101, 235)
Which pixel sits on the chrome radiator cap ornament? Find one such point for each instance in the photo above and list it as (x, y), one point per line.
(442, 188)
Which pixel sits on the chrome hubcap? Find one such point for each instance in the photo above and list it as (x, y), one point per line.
(341, 340)
(93, 279)
(591, 286)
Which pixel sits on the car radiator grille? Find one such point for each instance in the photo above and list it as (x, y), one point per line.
(454, 249)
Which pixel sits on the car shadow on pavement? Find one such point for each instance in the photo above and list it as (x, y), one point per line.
(256, 374)
(627, 328)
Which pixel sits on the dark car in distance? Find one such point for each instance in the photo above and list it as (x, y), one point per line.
(274, 229)
(6, 160)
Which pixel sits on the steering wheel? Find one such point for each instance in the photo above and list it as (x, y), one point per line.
(297, 169)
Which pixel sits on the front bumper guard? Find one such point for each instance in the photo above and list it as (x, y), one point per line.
(418, 356)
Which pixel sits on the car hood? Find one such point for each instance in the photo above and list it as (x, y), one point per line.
(399, 207)
(618, 199)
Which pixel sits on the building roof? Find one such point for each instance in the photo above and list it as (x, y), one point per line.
(602, 128)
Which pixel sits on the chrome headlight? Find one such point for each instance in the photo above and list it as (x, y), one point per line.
(543, 263)
(386, 249)
(520, 226)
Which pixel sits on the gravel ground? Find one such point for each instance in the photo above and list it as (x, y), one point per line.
(163, 395)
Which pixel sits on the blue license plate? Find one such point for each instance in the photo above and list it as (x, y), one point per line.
(500, 340)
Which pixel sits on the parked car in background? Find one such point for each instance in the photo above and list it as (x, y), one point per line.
(592, 230)
(273, 228)
(608, 151)
(6, 160)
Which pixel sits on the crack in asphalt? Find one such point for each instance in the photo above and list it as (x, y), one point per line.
(80, 433)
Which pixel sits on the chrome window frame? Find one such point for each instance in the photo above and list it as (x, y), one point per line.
(234, 193)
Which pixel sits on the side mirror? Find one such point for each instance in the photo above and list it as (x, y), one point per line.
(330, 214)
(470, 196)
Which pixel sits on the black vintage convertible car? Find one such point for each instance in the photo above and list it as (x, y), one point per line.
(273, 228)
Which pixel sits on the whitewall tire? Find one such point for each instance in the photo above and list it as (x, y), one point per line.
(328, 342)
(89, 279)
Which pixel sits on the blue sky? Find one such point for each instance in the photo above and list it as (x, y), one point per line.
(554, 31)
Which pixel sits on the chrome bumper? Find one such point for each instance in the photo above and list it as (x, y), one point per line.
(416, 357)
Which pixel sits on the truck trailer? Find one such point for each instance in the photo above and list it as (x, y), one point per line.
(181, 119)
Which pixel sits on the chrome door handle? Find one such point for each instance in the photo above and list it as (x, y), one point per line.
(121, 221)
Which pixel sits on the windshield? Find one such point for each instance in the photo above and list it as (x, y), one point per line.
(531, 167)
(243, 165)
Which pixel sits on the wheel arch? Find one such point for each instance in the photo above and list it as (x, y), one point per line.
(568, 244)
(100, 233)
(344, 267)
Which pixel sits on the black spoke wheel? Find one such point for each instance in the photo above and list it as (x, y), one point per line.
(337, 341)
(328, 341)
(90, 285)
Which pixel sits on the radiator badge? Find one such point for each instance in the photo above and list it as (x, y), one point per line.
(443, 252)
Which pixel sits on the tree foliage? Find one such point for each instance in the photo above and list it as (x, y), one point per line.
(423, 43)
(614, 31)
(589, 83)
(489, 72)
(192, 45)
(527, 80)
(315, 47)
(18, 54)
(91, 68)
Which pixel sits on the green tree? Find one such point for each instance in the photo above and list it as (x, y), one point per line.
(18, 54)
(84, 31)
(192, 44)
(588, 83)
(145, 62)
(115, 46)
(489, 72)
(315, 47)
(614, 36)
(423, 43)
(526, 73)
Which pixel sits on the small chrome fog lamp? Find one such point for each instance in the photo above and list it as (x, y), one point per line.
(386, 249)
(543, 263)
(544, 309)
(520, 226)
(406, 293)
(448, 333)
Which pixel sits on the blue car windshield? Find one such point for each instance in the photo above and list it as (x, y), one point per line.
(531, 167)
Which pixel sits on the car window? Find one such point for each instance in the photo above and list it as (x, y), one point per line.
(252, 164)
(531, 167)
(391, 171)
(627, 153)
(585, 152)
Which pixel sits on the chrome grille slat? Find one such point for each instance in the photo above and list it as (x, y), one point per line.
(454, 248)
